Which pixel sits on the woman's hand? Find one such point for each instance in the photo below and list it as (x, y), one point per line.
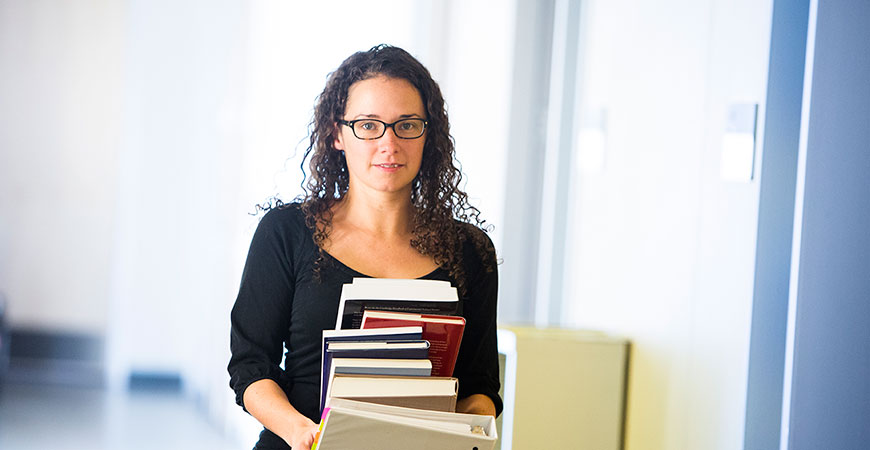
(268, 404)
(476, 404)
(301, 434)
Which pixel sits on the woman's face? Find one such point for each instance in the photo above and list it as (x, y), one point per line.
(387, 164)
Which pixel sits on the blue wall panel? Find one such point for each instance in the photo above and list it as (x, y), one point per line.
(830, 389)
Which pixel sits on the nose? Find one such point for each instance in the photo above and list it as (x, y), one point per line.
(389, 141)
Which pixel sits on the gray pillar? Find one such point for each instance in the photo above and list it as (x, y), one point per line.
(830, 376)
(775, 220)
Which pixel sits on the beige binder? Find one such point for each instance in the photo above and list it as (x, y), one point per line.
(356, 425)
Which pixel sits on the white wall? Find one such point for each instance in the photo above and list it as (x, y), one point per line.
(663, 248)
(475, 77)
(60, 104)
(183, 90)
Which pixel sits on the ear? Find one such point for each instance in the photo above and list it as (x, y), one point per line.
(338, 143)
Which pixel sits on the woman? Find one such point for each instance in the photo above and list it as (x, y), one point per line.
(382, 200)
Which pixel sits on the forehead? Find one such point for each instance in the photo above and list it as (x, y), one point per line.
(383, 97)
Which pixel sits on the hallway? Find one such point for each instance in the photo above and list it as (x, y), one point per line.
(51, 417)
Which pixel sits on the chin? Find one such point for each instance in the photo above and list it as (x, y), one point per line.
(394, 189)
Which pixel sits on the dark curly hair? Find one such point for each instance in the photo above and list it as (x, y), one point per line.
(442, 218)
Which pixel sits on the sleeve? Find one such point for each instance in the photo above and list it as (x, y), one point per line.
(477, 365)
(261, 314)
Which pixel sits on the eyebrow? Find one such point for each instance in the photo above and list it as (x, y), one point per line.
(375, 116)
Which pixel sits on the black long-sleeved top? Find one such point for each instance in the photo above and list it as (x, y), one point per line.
(281, 307)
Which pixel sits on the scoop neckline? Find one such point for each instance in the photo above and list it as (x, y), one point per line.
(344, 267)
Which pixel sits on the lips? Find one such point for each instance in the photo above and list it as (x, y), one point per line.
(389, 166)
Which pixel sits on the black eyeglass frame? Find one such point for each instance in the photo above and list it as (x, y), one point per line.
(351, 123)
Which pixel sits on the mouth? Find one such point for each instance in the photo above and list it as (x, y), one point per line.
(389, 166)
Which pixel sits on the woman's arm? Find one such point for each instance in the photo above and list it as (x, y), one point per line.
(265, 400)
(259, 326)
(477, 365)
(476, 404)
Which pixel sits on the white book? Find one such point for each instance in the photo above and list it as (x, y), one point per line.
(432, 393)
(416, 296)
(390, 282)
(377, 386)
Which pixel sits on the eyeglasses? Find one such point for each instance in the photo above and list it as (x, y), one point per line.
(368, 129)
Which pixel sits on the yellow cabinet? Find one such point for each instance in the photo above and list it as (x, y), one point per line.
(563, 389)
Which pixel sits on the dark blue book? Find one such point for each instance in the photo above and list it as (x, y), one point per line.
(382, 349)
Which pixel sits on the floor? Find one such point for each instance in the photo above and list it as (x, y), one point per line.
(53, 417)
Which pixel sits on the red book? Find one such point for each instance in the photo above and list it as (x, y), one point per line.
(444, 334)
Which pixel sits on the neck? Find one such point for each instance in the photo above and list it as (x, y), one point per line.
(378, 213)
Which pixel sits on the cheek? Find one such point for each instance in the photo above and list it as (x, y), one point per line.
(357, 157)
(351, 160)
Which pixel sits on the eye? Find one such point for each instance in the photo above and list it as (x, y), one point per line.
(411, 125)
(367, 125)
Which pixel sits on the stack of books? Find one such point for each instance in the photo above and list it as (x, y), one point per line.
(389, 363)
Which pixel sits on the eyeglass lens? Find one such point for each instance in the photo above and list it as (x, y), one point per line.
(374, 129)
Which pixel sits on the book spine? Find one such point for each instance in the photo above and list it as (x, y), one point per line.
(393, 371)
(354, 309)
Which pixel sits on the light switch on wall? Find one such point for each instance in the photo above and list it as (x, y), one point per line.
(738, 143)
(591, 141)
